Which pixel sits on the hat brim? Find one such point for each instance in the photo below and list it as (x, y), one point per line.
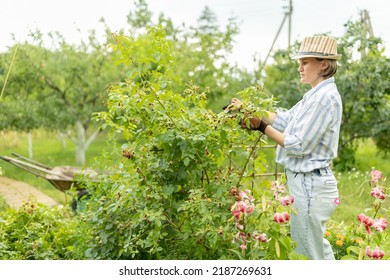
(332, 57)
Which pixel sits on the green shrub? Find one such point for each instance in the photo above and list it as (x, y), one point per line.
(36, 232)
(170, 197)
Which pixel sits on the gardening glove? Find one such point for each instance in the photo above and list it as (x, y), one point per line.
(253, 121)
(255, 124)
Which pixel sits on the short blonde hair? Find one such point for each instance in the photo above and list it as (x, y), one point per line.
(330, 70)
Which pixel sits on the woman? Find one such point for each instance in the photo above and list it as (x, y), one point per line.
(307, 136)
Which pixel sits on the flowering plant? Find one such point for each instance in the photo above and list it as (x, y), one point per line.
(262, 229)
(365, 239)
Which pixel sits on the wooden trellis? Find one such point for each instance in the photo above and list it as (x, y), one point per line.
(276, 172)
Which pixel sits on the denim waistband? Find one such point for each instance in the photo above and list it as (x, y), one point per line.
(318, 171)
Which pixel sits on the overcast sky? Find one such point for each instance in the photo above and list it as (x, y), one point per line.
(259, 19)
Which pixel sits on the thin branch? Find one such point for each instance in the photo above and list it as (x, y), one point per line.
(247, 160)
(9, 71)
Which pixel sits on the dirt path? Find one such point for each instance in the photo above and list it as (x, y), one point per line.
(16, 192)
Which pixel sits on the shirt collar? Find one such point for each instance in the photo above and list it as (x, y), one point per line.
(317, 87)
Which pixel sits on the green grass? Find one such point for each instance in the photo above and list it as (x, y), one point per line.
(354, 188)
(3, 204)
(368, 157)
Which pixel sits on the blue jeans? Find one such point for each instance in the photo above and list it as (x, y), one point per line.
(314, 201)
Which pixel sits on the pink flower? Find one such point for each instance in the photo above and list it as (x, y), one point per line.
(242, 236)
(375, 175)
(366, 221)
(337, 201)
(244, 196)
(281, 217)
(278, 188)
(374, 254)
(236, 214)
(243, 246)
(380, 224)
(378, 192)
(241, 206)
(286, 200)
(239, 226)
(249, 209)
(238, 206)
(260, 237)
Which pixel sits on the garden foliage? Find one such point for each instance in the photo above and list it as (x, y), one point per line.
(37, 232)
(183, 170)
(179, 182)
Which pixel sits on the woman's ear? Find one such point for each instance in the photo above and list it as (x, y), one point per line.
(324, 64)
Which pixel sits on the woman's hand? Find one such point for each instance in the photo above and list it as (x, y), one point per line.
(235, 104)
(254, 123)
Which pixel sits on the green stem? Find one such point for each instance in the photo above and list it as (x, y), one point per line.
(376, 211)
(357, 190)
(172, 223)
(247, 160)
(9, 71)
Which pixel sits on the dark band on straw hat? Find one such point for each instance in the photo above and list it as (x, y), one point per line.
(316, 53)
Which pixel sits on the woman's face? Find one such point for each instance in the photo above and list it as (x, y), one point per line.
(310, 70)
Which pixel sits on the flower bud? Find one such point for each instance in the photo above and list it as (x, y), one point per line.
(378, 192)
(281, 217)
(286, 200)
(374, 254)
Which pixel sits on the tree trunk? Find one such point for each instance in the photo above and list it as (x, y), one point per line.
(80, 141)
(29, 145)
(82, 144)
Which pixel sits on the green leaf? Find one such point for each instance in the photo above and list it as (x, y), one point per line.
(186, 161)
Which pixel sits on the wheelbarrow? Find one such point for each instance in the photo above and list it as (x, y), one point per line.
(61, 177)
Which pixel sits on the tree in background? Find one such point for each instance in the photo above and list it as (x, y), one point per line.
(58, 88)
(364, 84)
(200, 53)
(21, 106)
(66, 81)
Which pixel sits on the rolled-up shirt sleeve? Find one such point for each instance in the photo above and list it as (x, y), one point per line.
(306, 132)
(282, 119)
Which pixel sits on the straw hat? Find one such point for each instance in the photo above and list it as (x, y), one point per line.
(318, 46)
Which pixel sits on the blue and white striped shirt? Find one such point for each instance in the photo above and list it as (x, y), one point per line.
(311, 129)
